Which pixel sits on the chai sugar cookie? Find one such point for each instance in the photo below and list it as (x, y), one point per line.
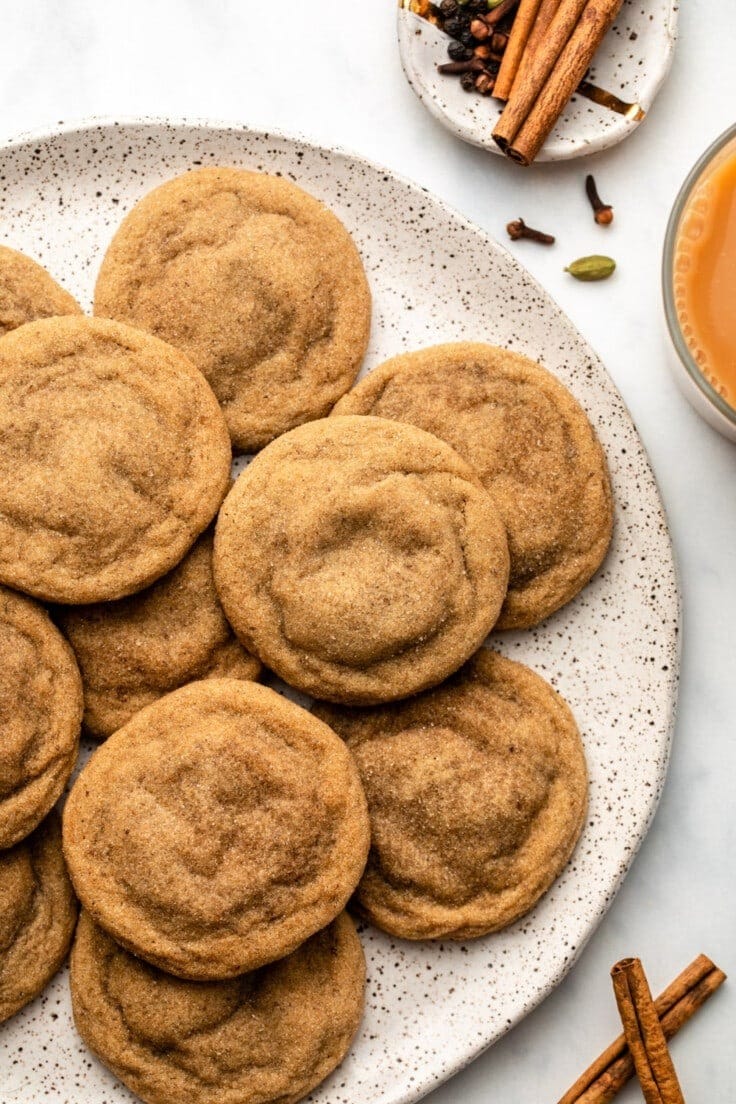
(38, 912)
(133, 651)
(217, 830)
(114, 457)
(360, 559)
(257, 282)
(265, 1037)
(40, 715)
(28, 292)
(477, 793)
(532, 446)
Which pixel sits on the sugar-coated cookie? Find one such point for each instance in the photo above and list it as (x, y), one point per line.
(477, 793)
(256, 281)
(114, 457)
(267, 1037)
(40, 715)
(133, 651)
(28, 292)
(360, 559)
(533, 448)
(38, 912)
(217, 830)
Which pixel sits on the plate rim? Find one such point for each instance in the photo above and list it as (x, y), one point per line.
(423, 1085)
(550, 152)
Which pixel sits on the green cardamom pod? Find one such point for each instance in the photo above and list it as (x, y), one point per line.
(592, 268)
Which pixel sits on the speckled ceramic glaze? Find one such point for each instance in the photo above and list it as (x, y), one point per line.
(613, 653)
(632, 62)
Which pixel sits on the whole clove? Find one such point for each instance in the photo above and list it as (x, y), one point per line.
(602, 212)
(473, 65)
(518, 229)
(484, 83)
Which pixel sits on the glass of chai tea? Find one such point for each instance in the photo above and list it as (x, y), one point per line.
(699, 280)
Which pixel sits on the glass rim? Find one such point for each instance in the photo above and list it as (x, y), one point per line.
(670, 310)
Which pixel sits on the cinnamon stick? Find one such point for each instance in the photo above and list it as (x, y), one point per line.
(545, 15)
(569, 69)
(521, 29)
(682, 998)
(644, 1034)
(526, 91)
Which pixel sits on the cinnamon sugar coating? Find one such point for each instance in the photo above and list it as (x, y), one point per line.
(114, 457)
(256, 281)
(133, 651)
(532, 446)
(217, 830)
(38, 912)
(268, 1036)
(40, 715)
(360, 559)
(477, 793)
(28, 292)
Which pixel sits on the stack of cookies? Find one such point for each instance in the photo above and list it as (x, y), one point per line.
(379, 535)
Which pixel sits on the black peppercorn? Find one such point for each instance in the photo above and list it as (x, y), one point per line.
(458, 52)
(467, 82)
(468, 40)
(454, 27)
(449, 8)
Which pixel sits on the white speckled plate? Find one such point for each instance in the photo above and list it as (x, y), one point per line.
(632, 62)
(613, 653)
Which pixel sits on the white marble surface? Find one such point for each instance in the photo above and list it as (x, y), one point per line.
(322, 70)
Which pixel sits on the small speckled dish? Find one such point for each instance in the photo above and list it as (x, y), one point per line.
(632, 63)
(613, 652)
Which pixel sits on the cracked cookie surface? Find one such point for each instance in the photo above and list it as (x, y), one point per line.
(40, 715)
(268, 1036)
(477, 793)
(38, 912)
(256, 281)
(28, 292)
(533, 448)
(360, 559)
(217, 830)
(133, 651)
(114, 457)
